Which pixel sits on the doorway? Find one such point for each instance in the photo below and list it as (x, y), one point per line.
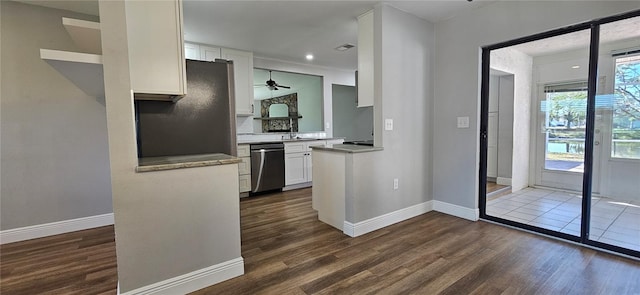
(575, 146)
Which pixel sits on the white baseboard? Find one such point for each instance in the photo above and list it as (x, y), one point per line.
(297, 186)
(503, 181)
(455, 210)
(54, 228)
(194, 280)
(369, 225)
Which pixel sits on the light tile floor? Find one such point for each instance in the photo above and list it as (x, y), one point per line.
(612, 221)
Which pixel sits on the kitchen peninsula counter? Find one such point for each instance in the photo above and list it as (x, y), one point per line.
(259, 141)
(348, 148)
(186, 161)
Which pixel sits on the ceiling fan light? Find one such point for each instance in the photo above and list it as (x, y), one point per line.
(344, 47)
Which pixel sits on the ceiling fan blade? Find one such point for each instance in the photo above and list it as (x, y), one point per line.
(282, 86)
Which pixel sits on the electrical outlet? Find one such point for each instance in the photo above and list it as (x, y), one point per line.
(388, 124)
(463, 122)
(395, 183)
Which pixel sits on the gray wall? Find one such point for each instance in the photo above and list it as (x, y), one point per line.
(406, 66)
(458, 42)
(505, 126)
(55, 161)
(350, 121)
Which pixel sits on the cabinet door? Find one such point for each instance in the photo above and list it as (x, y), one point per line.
(309, 166)
(365, 60)
(295, 168)
(209, 53)
(243, 79)
(244, 167)
(245, 183)
(191, 51)
(156, 47)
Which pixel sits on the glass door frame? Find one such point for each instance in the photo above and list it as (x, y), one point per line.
(594, 46)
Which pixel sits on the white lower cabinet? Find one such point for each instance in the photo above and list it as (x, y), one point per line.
(245, 183)
(295, 168)
(297, 161)
(244, 168)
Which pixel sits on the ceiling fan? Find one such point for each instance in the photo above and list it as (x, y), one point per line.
(273, 85)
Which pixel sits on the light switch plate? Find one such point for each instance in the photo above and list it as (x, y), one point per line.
(388, 124)
(327, 125)
(463, 122)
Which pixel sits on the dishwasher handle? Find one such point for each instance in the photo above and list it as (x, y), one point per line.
(267, 150)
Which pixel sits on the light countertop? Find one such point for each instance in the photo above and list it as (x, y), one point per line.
(186, 161)
(348, 148)
(285, 140)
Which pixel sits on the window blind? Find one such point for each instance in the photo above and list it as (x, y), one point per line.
(566, 87)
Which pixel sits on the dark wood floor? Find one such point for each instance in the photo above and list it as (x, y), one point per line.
(82, 262)
(287, 251)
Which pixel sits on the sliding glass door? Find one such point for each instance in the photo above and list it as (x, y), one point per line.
(560, 133)
(615, 208)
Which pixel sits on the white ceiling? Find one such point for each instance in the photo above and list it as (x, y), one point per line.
(284, 30)
(624, 30)
(288, 30)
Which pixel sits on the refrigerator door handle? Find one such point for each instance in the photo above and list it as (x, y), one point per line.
(262, 157)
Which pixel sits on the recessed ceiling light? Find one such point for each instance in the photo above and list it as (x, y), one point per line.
(309, 56)
(344, 47)
(575, 67)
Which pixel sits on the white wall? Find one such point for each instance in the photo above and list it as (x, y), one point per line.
(167, 223)
(457, 80)
(520, 66)
(350, 121)
(404, 60)
(55, 161)
(505, 127)
(330, 77)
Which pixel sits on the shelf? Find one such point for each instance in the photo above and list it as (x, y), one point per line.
(86, 34)
(83, 69)
(278, 118)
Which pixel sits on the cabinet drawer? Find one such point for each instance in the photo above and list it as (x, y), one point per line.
(295, 147)
(245, 183)
(243, 151)
(244, 167)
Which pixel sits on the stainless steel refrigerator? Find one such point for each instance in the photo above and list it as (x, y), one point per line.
(202, 122)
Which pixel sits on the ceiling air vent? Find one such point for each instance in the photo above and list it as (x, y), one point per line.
(344, 47)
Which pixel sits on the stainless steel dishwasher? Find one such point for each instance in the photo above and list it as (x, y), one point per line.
(267, 167)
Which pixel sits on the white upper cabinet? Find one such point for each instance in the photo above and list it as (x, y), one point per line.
(191, 51)
(365, 60)
(209, 53)
(243, 79)
(156, 51)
